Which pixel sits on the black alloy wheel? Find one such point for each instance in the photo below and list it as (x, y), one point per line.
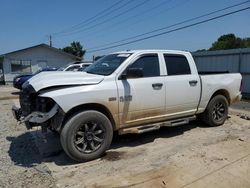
(86, 135)
(218, 111)
(89, 137)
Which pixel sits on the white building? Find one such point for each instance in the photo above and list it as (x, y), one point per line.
(31, 59)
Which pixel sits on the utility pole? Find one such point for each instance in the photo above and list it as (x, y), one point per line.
(50, 40)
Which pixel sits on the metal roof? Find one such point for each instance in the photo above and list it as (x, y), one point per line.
(222, 52)
(45, 46)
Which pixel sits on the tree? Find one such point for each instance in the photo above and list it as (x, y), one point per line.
(247, 42)
(1, 59)
(76, 49)
(229, 41)
(201, 50)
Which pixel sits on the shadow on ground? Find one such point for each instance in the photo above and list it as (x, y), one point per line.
(16, 93)
(23, 151)
(33, 148)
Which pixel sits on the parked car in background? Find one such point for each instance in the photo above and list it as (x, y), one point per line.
(20, 79)
(1, 77)
(75, 66)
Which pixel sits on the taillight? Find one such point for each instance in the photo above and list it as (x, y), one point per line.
(241, 85)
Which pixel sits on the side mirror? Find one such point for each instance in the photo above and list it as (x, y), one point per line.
(132, 73)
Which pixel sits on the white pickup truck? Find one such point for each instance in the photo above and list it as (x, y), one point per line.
(126, 92)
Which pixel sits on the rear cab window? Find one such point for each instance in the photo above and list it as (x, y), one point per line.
(177, 64)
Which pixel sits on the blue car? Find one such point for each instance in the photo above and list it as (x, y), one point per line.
(20, 79)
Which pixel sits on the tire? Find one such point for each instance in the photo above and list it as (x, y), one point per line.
(86, 135)
(216, 112)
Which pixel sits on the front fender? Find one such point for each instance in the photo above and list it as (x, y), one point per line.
(68, 98)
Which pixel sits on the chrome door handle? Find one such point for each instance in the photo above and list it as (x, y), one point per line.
(193, 82)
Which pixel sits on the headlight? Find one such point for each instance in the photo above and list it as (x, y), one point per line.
(44, 104)
(17, 79)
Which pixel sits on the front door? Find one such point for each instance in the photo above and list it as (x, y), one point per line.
(142, 100)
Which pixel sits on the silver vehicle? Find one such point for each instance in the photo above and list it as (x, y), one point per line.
(75, 67)
(128, 92)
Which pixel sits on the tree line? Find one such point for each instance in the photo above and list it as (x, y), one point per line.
(229, 41)
(224, 42)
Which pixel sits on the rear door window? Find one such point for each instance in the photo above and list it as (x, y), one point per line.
(177, 64)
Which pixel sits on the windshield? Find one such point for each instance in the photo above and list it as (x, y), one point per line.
(107, 64)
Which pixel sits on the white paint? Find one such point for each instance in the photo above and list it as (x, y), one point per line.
(175, 99)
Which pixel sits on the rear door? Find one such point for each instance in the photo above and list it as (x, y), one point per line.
(182, 86)
(142, 100)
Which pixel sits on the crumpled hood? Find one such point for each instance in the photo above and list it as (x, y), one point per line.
(63, 78)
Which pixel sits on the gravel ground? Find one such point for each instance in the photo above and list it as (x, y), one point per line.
(20, 162)
(186, 156)
(8, 92)
(191, 155)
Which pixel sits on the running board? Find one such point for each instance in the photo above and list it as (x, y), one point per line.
(151, 127)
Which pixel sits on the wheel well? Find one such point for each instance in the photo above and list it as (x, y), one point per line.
(90, 106)
(224, 93)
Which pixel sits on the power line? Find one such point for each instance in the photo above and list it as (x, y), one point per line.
(99, 32)
(173, 25)
(112, 18)
(170, 31)
(95, 17)
(121, 22)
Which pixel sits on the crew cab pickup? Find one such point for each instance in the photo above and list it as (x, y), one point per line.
(124, 92)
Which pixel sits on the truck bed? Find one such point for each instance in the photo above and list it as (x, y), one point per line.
(212, 82)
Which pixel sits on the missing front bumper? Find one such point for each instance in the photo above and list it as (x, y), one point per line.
(16, 112)
(41, 117)
(34, 117)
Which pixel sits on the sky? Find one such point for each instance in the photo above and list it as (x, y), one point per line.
(25, 23)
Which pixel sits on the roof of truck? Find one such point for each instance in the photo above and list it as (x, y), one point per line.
(152, 50)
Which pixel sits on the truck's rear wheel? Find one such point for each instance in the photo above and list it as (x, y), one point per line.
(216, 112)
(86, 135)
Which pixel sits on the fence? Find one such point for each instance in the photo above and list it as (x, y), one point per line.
(233, 61)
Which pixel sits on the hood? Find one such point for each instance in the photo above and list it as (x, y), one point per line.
(62, 78)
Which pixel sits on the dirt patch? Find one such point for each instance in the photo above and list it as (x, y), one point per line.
(121, 155)
(20, 162)
(9, 97)
(191, 155)
(114, 156)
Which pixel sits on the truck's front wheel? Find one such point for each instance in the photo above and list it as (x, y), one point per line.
(216, 112)
(86, 135)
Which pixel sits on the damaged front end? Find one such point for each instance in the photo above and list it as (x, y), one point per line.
(37, 111)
